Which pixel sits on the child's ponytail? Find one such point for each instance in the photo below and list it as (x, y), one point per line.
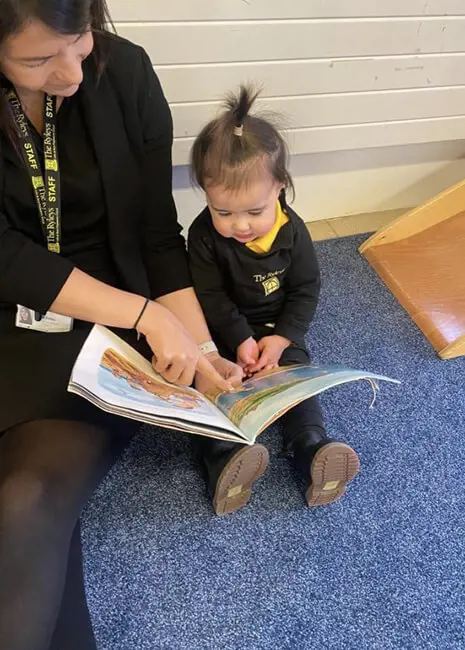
(239, 106)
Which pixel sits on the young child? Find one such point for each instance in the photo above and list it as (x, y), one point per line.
(256, 275)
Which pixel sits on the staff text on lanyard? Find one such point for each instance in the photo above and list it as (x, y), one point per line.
(46, 182)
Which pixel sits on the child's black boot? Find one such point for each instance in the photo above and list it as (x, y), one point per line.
(326, 465)
(232, 470)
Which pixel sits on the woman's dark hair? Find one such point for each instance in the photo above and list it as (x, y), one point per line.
(64, 17)
(236, 147)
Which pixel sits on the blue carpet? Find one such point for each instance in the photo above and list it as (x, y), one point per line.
(384, 568)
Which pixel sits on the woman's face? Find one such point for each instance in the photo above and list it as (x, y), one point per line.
(39, 59)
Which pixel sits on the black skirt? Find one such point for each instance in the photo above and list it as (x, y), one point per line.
(34, 373)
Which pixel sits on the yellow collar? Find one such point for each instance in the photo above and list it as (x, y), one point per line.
(263, 244)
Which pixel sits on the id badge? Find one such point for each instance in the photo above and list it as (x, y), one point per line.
(51, 323)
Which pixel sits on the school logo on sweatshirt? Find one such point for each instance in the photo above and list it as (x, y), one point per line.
(271, 285)
(270, 281)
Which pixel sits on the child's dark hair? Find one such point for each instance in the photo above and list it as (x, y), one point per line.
(236, 147)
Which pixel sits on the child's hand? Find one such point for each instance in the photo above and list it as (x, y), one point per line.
(247, 354)
(271, 349)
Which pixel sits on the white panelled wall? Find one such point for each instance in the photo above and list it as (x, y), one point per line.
(373, 91)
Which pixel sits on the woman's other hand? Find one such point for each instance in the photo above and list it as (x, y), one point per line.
(229, 370)
(177, 357)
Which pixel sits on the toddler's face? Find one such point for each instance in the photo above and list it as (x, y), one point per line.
(247, 213)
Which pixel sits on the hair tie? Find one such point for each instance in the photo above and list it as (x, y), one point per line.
(239, 130)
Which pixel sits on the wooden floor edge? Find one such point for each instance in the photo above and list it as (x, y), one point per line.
(454, 350)
(371, 241)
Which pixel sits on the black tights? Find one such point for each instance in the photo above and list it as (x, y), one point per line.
(48, 471)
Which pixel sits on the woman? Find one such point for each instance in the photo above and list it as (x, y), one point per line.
(88, 231)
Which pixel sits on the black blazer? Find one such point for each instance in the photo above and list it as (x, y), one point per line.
(131, 128)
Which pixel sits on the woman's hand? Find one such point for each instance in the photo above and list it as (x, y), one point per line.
(230, 371)
(177, 357)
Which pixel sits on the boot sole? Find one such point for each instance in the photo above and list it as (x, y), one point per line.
(332, 468)
(234, 486)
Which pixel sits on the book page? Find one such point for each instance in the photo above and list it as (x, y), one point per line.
(263, 399)
(112, 375)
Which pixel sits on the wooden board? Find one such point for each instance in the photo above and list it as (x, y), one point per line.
(357, 137)
(420, 257)
(334, 109)
(209, 82)
(269, 40)
(187, 10)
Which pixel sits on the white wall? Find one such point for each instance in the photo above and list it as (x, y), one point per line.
(373, 90)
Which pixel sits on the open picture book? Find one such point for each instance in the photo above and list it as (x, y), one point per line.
(116, 378)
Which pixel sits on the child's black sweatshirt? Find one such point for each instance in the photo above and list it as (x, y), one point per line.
(240, 289)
